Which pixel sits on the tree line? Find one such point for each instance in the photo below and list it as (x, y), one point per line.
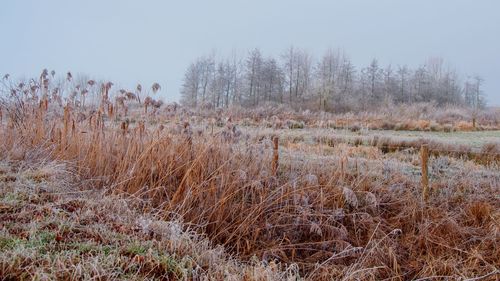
(330, 83)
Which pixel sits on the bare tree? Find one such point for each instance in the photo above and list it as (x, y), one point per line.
(333, 84)
(191, 85)
(403, 78)
(327, 71)
(254, 65)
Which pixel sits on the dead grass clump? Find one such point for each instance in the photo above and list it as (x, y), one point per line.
(384, 144)
(422, 125)
(480, 213)
(355, 128)
(402, 126)
(386, 125)
(435, 127)
(448, 128)
(465, 126)
(292, 124)
(451, 115)
(490, 153)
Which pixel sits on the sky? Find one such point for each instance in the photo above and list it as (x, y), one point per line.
(154, 41)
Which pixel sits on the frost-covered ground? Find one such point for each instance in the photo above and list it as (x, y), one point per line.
(474, 138)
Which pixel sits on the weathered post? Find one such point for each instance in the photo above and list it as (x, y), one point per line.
(124, 128)
(275, 163)
(424, 153)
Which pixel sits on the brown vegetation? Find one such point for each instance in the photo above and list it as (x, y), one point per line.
(328, 218)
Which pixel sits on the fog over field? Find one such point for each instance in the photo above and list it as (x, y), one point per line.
(146, 41)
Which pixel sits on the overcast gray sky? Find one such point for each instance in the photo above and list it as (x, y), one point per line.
(145, 41)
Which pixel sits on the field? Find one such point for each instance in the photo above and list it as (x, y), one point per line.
(130, 190)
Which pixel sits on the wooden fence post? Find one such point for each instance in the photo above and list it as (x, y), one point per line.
(124, 128)
(275, 163)
(424, 153)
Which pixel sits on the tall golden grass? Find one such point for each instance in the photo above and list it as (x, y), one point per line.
(330, 220)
